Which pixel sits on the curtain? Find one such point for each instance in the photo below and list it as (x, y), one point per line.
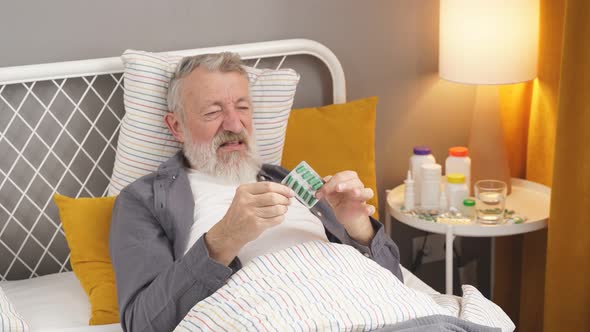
(541, 277)
(567, 283)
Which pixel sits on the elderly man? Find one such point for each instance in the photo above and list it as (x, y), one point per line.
(178, 234)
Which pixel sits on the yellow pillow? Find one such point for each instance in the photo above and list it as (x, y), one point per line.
(334, 138)
(86, 222)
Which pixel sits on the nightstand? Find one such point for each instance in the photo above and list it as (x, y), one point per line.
(528, 199)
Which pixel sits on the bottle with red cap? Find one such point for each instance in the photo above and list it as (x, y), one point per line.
(458, 162)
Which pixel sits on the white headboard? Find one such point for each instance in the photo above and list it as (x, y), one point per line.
(58, 132)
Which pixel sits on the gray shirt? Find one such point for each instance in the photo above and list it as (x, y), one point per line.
(156, 283)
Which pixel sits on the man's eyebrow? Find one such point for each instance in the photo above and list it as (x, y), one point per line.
(209, 103)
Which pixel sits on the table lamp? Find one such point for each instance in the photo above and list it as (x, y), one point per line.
(488, 43)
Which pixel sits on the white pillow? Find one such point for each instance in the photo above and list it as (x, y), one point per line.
(10, 320)
(478, 309)
(145, 141)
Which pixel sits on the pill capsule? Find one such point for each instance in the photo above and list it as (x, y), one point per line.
(301, 191)
(317, 185)
(306, 196)
(313, 181)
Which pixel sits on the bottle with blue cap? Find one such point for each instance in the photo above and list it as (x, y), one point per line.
(422, 156)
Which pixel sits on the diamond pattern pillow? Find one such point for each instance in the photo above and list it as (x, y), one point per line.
(144, 140)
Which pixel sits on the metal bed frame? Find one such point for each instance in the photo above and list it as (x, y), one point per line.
(58, 133)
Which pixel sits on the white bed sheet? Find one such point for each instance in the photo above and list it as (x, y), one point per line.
(57, 302)
(54, 302)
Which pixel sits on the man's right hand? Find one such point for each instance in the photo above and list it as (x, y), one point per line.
(255, 208)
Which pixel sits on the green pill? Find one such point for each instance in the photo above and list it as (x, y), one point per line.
(307, 175)
(289, 180)
(306, 196)
(301, 191)
(311, 201)
(300, 169)
(295, 186)
(317, 185)
(313, 181)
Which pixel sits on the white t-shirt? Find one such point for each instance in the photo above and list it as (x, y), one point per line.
(212, 200)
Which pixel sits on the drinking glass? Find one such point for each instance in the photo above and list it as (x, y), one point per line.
(490, 200)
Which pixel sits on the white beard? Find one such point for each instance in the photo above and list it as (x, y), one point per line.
(235, 167)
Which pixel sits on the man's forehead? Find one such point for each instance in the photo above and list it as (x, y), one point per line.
(204, 75)
(209, 100)
(210, 85)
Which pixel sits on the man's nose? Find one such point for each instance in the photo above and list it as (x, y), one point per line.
(232, 121)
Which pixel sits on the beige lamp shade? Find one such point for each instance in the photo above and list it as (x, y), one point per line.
(488, 41)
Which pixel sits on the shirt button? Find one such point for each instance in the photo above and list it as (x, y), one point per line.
(367, 255)
(319, 214)
(173, 177)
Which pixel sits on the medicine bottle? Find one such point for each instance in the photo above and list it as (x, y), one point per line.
(468, 210)
(458, 162)
(409, 197)
(456, 190)
(430, 187)
(422, 156)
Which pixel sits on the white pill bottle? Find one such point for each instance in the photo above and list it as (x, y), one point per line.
(458, 162)
(430, 187)
(456, 190)
(422, 155)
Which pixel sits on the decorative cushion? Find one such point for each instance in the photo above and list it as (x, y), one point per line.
(144, 140)
(335, 138)
(10, 320)
(86, 222)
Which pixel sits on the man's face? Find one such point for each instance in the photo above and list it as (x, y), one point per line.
(217, 131)
(215, 102)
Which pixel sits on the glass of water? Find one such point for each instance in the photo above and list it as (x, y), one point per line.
(490, 200)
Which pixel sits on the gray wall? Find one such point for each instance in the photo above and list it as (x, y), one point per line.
(388, 48)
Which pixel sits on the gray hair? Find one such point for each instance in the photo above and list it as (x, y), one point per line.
(224, 62)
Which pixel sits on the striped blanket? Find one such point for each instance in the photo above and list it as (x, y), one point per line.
(327, 287)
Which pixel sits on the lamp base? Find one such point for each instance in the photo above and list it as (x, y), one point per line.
(487, 147)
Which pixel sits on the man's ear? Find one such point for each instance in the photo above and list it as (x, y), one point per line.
(175, 126)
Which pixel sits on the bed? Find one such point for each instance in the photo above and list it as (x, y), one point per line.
(59, 126)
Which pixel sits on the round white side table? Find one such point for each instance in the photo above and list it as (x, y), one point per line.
(528, 199)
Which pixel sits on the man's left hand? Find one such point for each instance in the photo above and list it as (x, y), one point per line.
(347, 196)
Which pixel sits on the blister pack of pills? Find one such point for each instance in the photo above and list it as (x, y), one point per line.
(305, 182)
